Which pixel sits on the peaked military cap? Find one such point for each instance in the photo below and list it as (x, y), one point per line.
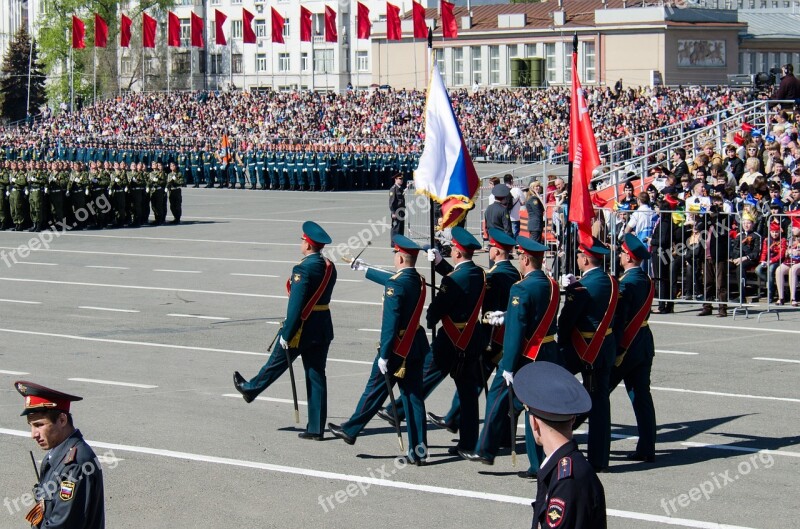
(39, 398)
(634, 247)
(550, 392)
(464, 240)
(501, 191)
(530, 246)
(499, 238)
(405, 245)
(315, 235)
(598, 249)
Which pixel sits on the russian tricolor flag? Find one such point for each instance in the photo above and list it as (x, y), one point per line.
(445, 172)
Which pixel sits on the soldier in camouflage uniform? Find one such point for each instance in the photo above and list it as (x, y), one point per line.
(5, 210)
(116, 192)
(174, 182)
(18, 195)
(156, 183)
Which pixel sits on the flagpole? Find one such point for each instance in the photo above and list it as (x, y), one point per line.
(94, 74)
(568, 236)
(30, 64)
(313, 83)
(230, 62)
(169, 68)
(72, 79)
(432, 212)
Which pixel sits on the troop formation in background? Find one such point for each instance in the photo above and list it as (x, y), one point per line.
(62, 195)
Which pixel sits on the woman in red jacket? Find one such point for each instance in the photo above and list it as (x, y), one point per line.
(773, 250)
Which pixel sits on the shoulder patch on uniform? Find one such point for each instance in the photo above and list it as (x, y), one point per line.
(67, 490)
(296, 278)
(443, 288)
(554, 513)
(390, 291)
(535, 201)
(396, 275)
(515, 300)
(565, 468)
(71, 455)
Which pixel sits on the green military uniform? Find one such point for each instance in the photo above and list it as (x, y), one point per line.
(78, 190)
(5, 210)
(137, 198)
(56, 190)
(156, 183)
(37, 180)
(116, 193)
(18, 198)
(174, 184)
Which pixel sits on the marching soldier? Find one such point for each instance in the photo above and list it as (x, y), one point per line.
(568, 494)
(136, 197)
(158, 197)
(56, 189)
(37, 181)
(174, 184)
(18, 196)
(635, 347)
(70, 488)
(5, 210)
(397, 206)
(401, 350)
(116, 193)
(77, 191)
(307, 331)
(587, 343)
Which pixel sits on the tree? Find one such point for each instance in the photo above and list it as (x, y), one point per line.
(14, 86)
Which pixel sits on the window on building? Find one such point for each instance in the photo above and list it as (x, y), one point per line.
(438, 55)
(458, 66)
(236, 29)
(180, 62)
(215, 62)
(150, 66)
(530, 50)
(318, 24)
(186, 35)
(216, 2)
(567, 61)
(261, 28)
(323, 61)
(589, 69)
(284, 64)
(287, 27)
(494, 64)
(550, 62)
(304, 61)
(236, 63)
(513, 50)
(236, 2)
(126, 66)
(362, 61)
(261, 62)
(477, 66)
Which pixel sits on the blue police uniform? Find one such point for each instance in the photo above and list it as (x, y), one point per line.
(308, 337)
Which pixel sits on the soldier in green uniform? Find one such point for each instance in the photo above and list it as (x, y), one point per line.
(70, 488)
(18, 196)
(57, 183)
(401, 350)
(137, 196)
(157, 183)
(37, 180)
(5, 210)
(587, 344)
(174, 184)
(195, 164)
(116, 192)
(100, 179)
(307, 331)
(77, 191)
(184, 164)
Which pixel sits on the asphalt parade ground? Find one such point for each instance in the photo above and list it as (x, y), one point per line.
(149, 324)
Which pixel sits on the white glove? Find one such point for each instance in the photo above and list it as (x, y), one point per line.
(359, 265)
(382, 365)
(567, 280)
(434, 256)
(283, 342)
(26, 191)
(173, 178)
(496, 318)
(509, 377)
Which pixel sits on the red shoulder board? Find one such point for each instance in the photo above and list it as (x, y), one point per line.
(565, 468)
(71, 455)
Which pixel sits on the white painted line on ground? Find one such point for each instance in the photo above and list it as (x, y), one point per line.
(177, 239)
(159, 345)
(169, 289)
(430, 489)
(777, 360)
(361, 224)
(35, 263)
(718, 394)
(663, 351)
(725, 327)
(113, 383)
(108, 267)
(255, 275)
(223, 318)
(743, 449)
(87, 307)
(17, 373)
(268, 399)
(157, 256)
(177, 271)
(21, 301)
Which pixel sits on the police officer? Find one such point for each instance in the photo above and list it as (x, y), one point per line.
(635, 347)
(568, 494)
(307, 331)
(535, 208)
(70, 488)
(587, 343)
(397, 206)
(401, 351)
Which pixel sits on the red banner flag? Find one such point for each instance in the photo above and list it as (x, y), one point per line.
(364, 25)
(125, 31)
(277, 27)
(305, 24)
(197, 31)
(331, 35)
(78, 32)
(584, 158)
(100, 32)
(420, 27)
(148, 31)
(393, 30)
(449, 26)
(219, 19)
(173, 30)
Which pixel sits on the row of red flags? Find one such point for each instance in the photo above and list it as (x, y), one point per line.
(393, 28)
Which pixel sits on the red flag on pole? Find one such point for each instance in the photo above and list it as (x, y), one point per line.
(305, 24)
(197, 31)
(148, 31)
(420, 27)
(219, 35)
(449, 26)
(331, 35)
(584, 157)
(364, 25)
(393, 29)
(78, 32)
(248, 35)
(173, 30)
(277, 27)
(100, 32)
(125, 32)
